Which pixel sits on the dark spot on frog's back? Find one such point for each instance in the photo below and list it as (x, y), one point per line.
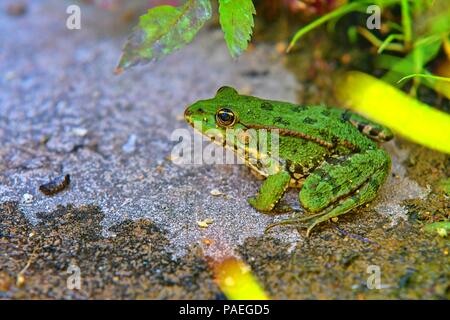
(309, 120)
(374, 132)
(361, 126)
(298, 108)
(337, 160)
(324, 175)
(280, 120)
(326, 113)
(293, 167)
(266, 106)
(345, 116)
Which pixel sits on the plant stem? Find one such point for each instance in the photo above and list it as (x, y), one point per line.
(406, 23)
(333, 14)
(388, 41)
(337, 13)
(378, 43)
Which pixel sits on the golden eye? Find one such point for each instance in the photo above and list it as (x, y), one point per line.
(225, 117)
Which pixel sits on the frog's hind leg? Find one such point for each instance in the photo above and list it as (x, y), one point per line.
(271, 192)
(371, 129)
(364, 195)
(335, 189)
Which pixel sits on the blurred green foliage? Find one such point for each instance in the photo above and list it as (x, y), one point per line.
(164, 29)
(415, 40)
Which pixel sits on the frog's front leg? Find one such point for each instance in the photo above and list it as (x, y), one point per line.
(340, 185)
(271, 191)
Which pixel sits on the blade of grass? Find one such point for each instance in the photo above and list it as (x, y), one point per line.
(394, 26)
(323, 19)
(331, 25)
(352, 34)
(406, 24)
(377, 42)
(442, 87)
(414, 62)
(337, 13)
(388, 40)
(422, 75)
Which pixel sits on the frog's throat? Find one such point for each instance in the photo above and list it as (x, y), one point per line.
(251, 157)
(292, 133)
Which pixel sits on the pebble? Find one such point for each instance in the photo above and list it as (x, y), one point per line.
(205, 223)
(207, 242)
(27, 198)
(216, 192)
(81, 132)
(130, 146)
(202, 224)
(20, 281)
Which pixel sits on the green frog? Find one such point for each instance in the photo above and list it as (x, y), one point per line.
(331, 154)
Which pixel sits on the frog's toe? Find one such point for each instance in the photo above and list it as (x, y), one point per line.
(311, 226)
(283, 208)
(295, 221)
(253, 201)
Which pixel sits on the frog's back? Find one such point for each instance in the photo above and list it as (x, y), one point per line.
(327, 124)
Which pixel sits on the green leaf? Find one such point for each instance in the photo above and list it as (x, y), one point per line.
(236, 19)
(162, 30)
(336, 14)
(415, 61)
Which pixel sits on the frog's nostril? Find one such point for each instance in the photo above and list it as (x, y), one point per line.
(187, 113)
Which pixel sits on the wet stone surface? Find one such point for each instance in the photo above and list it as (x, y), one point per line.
(129, 218)
(66, 113)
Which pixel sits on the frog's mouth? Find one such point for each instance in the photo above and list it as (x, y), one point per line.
(252, 157)
(210, 131)
(213, 134)
(187, 115)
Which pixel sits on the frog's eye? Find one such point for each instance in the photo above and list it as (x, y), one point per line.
(225, 117)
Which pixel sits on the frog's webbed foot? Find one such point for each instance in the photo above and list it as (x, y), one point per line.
(333, 190)
(297, 221)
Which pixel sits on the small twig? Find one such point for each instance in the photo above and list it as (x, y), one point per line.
(19, 277)
(378, 43)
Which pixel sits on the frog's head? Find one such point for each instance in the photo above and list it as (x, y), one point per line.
(220, 113)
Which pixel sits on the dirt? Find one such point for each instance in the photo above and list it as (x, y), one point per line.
(134, 264)
(129, 220)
